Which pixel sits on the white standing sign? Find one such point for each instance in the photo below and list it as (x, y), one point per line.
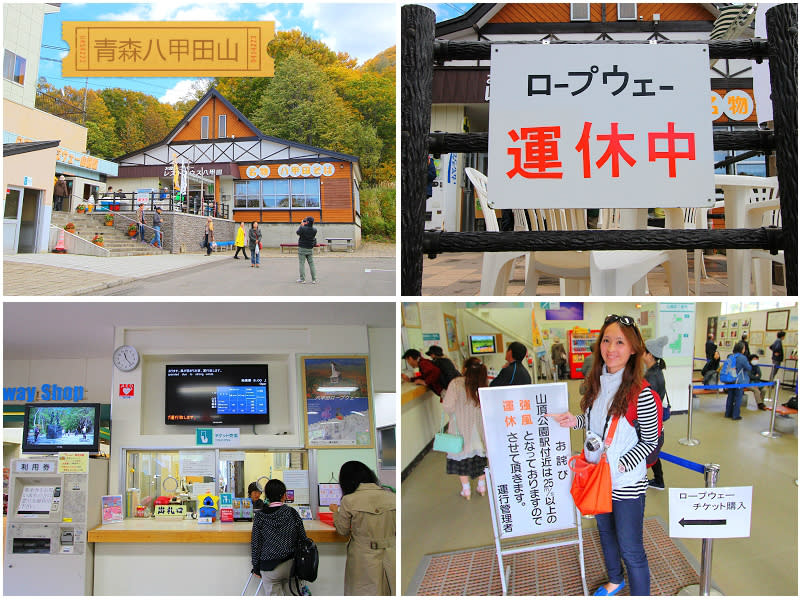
(721, 512)
(600, 126)
(528, 455)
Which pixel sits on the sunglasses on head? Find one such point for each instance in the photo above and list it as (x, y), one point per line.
(623, 319)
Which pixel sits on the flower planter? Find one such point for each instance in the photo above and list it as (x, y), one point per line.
(132, 233)
(109, 223)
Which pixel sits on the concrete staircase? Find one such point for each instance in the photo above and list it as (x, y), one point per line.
(115, 239)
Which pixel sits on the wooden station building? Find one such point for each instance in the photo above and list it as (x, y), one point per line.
(259, 177)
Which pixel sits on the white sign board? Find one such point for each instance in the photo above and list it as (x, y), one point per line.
(722, 512)
(528, 455)
(595, 126)
(676, 321)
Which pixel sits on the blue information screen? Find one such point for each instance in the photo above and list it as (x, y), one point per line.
(242, 400)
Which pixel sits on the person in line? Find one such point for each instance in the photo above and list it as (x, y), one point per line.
(157, 227)
(368, 515)
(734, 400)
(446, 367)
(307, 239)
(254, 243)
(655, 365)
(711, 370)
(746, 345)
(462, 404)
(139, 218)
(430, 375)
(514, 371)
(277, 530)
(711, 347)
(755, 377)
(616, 378)
(240, 241)
(558, 354)
(255, 496)
(777, 354)
(60, 192)
(209, 233)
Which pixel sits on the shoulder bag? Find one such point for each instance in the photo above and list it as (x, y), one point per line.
(452, 443)
(591, 483)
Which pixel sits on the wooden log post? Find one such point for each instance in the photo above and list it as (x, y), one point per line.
(418, 26)
(782, 37)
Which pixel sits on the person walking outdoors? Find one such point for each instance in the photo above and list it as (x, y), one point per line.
(655, 365)
(209, 241)
(254, 242)
(735, 395)
(367, 514)
(307, 239)
(140, 220)
(240, 235)
(461, 402)
(614, 381)
(60, 193)
(277, 531)
(157, 227)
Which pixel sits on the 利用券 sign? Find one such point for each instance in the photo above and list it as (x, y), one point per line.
(600, 126)
(721, 512)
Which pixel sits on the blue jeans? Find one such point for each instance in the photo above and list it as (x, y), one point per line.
(157, 236)
(141, 232)
(734, 402)
(255, 257)
(622, 538)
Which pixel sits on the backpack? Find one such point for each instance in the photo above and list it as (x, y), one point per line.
(306, 564)
(729, 373)
(632, 416)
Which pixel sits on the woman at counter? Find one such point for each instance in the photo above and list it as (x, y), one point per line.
(367, 515)
(277, 528)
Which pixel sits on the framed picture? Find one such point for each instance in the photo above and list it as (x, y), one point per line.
(745, 322)
(723, 325)
(733, 333)
(756, 338)
(778, 320)
(450, 332)
(409, 312)
(734, 324)
(338, 401)
(791, 339)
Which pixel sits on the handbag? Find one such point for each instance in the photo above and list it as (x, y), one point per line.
(666, 411)
(591, 483)
(452, 443)
(259, 244)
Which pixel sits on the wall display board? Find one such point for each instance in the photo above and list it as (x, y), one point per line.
(451, 332)
(676, 320)
(338, 404)
(529, 480)
(778, 320)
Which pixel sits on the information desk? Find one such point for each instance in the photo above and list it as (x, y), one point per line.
(143, 557)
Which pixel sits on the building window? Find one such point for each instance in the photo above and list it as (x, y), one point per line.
(222, 128)
(277, 194)
(13, 67)
(579, 12)
(626, 12)
(305, 193)
(204, 128)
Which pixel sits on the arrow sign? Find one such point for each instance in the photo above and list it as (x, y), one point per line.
(685, 522)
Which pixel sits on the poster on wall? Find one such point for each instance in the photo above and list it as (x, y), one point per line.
(563, 311)
(778, 320)
(338, 405)
(451, 332)
(756, 338)
(676, 321)
(528, 455)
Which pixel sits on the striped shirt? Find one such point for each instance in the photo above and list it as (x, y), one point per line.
(647, 416)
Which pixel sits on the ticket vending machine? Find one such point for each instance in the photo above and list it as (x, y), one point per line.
(441, 209)
(49, 515)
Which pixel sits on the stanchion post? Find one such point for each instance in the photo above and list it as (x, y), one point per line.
(711, 474)
(771, 433)
(688, 440)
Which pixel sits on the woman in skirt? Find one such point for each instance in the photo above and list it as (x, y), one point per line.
(462, 404)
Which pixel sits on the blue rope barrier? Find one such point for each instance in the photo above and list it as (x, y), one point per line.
(682, 462)
(730, 386)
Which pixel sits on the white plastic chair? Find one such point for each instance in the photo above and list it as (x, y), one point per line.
(764, 210)
(497, 266)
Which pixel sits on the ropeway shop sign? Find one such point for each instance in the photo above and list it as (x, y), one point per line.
(599, 126)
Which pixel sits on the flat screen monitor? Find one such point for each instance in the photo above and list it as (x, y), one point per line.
(482, 344)
(217, 394)
(61, 427)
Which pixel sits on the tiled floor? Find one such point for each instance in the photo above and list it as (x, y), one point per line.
(550, 571)
(459, 274)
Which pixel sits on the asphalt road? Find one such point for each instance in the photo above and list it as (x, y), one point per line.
(348, 276)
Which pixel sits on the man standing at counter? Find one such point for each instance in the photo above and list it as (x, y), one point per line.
(429, 372)
(255, 496)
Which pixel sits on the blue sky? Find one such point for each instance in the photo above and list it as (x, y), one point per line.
(360, 29)
(447, 10)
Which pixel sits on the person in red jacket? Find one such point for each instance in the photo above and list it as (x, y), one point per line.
(430, 373)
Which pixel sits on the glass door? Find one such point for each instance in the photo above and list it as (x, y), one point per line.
(11, 219)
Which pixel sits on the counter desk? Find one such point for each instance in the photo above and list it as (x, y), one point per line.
(143, 557)
(421, 417)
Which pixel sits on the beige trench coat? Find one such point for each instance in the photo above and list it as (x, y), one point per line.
(368, 517)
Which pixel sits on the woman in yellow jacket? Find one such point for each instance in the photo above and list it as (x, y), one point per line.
(367, 515)
(240, 241)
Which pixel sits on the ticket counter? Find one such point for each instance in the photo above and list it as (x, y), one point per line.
(421, 409)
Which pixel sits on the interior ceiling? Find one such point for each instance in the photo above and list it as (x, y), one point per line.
(33, 330)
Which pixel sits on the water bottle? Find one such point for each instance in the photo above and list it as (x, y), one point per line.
(593, 447)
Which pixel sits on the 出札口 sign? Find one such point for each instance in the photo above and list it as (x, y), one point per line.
(600, 126)
(528, 456)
